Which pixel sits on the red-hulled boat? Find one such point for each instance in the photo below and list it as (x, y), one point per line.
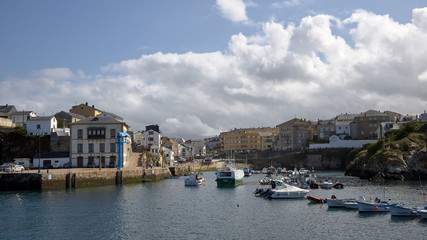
(316, 199)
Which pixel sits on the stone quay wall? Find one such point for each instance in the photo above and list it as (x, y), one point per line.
(77, 178)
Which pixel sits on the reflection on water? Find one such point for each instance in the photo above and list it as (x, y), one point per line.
(168, 210)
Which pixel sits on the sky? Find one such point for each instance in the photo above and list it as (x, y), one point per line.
(199, 68)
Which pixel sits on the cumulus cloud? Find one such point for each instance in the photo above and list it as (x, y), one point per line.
(302, 70)
(233, 10)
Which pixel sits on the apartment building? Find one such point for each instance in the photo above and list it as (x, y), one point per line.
(246, 139)
(294, 134)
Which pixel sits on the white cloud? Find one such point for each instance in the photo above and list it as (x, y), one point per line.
(283, 4)
(301, 70)
(234, 10)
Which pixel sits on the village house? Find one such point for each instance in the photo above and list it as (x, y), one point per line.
(41, 125)
(94, 140)
(20, 118)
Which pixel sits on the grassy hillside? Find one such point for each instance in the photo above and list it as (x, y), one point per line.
(402, 155)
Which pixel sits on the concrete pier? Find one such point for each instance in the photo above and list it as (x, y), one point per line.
(77, 178)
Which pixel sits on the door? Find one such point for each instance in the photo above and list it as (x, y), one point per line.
(79, 162)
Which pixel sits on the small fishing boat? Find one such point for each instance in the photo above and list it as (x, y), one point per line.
(281, 190)
(375, 206)
(314, 199)
(422, 213)
(247, 172)
(338, 185)
(335, 202)
(326, 184)
(350, 204)
(396, 210)
(195, 179)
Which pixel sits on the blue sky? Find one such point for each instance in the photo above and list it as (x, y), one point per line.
(197, 68)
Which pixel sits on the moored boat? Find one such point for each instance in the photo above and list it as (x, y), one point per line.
(338, 185)
(314, 199)
(326, 184)
(247, 172)
(335, 202)
(422, 213)
(281, 190)
(374, 206)
(402, 211)
(229, 177)
(350, 204)
(195, 179)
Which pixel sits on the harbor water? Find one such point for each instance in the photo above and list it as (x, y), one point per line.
(167, 209)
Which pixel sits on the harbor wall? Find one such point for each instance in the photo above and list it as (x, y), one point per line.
(75, 178)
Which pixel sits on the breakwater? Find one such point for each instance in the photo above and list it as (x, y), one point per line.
(77, 178)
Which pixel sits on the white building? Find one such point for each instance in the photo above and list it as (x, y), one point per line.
(170, 156)
(198, 148)
(152, 140)
(94, 140)
(56, 159)
(336, 142)
(20, 118)
(343, 125)
(41, 125)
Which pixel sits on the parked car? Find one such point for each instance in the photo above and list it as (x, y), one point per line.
(67, 165)
(47, 166)
(7, 168)
(91, 165)
(18, 168)
(111, 164)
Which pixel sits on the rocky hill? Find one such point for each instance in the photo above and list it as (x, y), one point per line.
(402, 155)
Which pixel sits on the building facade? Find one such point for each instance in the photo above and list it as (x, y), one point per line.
(368, 122)
(294, 134)
(85, 110)
(94, 139)
(41, 125)
(245, 139)
(20, 118)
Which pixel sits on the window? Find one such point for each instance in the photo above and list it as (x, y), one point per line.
(80, 148)
(91, 147)
(95, 133)
(102, 147)
(80, 133)
(112, 147)
(150, 133)
(112, 133)
(38, 126)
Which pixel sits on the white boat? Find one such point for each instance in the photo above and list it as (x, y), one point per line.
(350, 204)
(423, 213)
(281, 190)
(264, 171)
(229, 177)
(397, 210)
(194, 179)
(334, 202)
(326, 184)
(374, 206)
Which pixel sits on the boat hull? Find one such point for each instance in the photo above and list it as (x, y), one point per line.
(228, 182)
(372, 207)
(402, 211)
(423, 213)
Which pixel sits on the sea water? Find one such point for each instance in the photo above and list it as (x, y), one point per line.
(167, 209)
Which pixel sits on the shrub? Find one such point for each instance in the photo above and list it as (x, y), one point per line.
(373, 148)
